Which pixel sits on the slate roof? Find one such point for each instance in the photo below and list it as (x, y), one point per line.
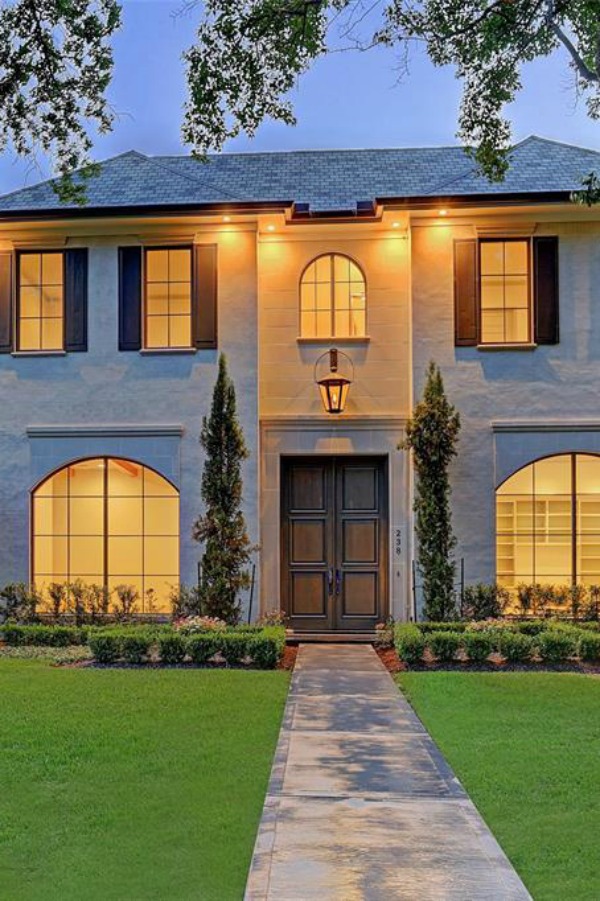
(327, 180)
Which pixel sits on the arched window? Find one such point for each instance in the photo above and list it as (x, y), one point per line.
(332, 298)
(108, 521)
(548, 523)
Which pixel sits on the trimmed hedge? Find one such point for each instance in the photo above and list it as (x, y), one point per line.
(589, 647)
(106, 646)
(135, 647)
(516, 647)
(44, 636)
(410, 643)
(445, 645)
(556, 646)
(172, 649)
(479, 645)
(427, 628)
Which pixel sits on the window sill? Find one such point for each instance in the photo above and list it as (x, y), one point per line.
(333, 340)
(38, 353)
(497, 347)
(161, 351)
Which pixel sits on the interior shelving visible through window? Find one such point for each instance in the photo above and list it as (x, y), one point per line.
(333, 298)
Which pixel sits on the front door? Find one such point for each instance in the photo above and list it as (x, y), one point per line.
(334, 543)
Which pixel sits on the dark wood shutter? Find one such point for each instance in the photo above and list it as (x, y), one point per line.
(545, 289)
(204, 308)
(465, 293)
(6, 305)
(130, 298)
(76, 300)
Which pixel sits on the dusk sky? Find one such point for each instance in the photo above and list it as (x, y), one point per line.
(347, 100)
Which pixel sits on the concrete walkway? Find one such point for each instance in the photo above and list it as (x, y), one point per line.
(361, 804)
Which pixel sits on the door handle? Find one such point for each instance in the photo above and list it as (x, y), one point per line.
(338, 581)
(330, 581)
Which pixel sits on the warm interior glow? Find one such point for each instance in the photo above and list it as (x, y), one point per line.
(548, 523)
(443, 212)
(168, 298)
(270, 228)
(109, 522)
(332, 299)
(504, 268)
(395, 225)
(226, 218)
(40, 307)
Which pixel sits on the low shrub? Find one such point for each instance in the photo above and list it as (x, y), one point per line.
(530, 626)
(234, 647)
(43, 636)
(267, 647)
(449, 626)
(589, 646)
(516, 647)
(135, 646)
(106, 646)
(172, 649)
(410, 643)
(483, 601)
(556, 646)
(202, 647)
(479, 645)
(444, 645)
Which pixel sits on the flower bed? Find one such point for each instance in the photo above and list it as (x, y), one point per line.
(532, 642)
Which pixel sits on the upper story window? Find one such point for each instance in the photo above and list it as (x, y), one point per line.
(40, 305)
(332, 298)
(168, 291)
(505, 294)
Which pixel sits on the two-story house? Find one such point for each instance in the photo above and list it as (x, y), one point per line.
(112, 317)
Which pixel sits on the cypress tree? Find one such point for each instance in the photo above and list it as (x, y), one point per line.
(431, 434)
(222, 530)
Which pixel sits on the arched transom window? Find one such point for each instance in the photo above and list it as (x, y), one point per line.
(548, 523)
(108, 521)
(332, 298)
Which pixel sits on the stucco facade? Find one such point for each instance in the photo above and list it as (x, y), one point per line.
(517, 404)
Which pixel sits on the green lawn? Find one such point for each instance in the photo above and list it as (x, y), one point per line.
(527, 748)
(132, 785)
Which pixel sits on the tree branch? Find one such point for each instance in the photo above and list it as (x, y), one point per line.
(584, 70)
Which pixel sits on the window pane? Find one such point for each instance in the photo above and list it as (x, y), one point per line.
(181, 331)
(157, 265)
(516, 325)
(50, 515)
(492, 257)
(52, 269)
(553, 476)
(516, 257)
(30, 272)
(30, 302)
(87, 478)
(125, 516)
(492, 327)
(588, 474)
(310, 274)
(160, 556)
(52, 301)
(180, 265)
(55, 486)
(161, 587)
(29, 334)
(52, 334)
(323, 297)
(308, 328)
(342, 324)
(357, 323)
(515, 291)
(341, 268)
(157, 300)
(161, 516)
(50, 556)
(86, 516)
(156, 486)
(520, 483)
(308, 299)
(342, 296)
(124, 478)
(125, 556)
(492, 293)
(323, 269)
(179, 298)
(357, 296)
(157, 331)
(323, 321)
(86, 554)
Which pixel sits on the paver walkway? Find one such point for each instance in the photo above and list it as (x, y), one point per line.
(361, 804)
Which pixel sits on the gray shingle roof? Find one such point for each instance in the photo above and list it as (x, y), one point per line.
(327, 180)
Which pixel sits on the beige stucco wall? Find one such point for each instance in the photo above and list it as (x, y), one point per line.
(552, 391)
(291, 413)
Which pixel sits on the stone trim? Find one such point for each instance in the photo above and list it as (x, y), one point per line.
(104, 431)
(521, 426)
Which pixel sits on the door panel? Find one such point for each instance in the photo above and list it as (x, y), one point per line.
(334, 542)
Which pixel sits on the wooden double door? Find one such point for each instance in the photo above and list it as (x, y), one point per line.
(334, 523)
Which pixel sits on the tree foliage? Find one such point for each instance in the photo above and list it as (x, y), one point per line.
(431, 435)
(249, 54)
(55, 66)
(222, 528)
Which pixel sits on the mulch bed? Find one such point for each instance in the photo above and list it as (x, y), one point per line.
(496, 664)
(288, 661)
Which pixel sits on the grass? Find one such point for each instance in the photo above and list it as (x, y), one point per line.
(132, 784)
(526, 746)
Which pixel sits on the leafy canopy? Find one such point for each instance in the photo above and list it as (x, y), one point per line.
(250, 53)
(55, 65)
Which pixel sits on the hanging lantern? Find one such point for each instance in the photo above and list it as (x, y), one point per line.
(333, 386)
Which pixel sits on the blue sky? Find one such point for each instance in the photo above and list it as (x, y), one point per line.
(347, 100)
